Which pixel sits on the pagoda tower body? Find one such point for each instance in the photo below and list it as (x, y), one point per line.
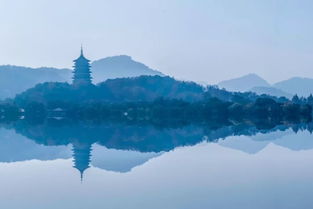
(82, 72)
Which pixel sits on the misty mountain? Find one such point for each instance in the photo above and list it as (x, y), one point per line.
(244, 83)
(270, 91)
(118, 67)
(16, 79)
(296, 85)
(254, 83)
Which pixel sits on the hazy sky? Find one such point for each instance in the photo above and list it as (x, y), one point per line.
(201, 40)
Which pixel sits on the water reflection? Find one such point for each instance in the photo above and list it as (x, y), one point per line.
(136, 142)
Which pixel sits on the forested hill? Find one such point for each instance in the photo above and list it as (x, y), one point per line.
(136, 89)
(153, 99)
(143, 88)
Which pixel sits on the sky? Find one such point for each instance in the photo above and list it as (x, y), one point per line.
(199, 40)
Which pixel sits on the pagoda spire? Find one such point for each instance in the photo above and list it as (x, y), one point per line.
(81, 50)
(81, 176)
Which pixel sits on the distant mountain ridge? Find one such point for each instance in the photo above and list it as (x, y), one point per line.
(243, 83)
(118, 67)
(296, 85)
(254, 83)
(16, 79)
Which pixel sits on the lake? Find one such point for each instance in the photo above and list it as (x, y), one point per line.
(122, 166)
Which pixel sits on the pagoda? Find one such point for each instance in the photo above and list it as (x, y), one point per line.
(82, 72)
(81, 156)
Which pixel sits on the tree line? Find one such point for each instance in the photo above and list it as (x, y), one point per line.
(151, 99)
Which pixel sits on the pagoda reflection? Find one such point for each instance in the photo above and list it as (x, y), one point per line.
(81, 156)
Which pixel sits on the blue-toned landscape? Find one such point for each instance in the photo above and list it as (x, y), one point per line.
(152, 141)
(156, 104)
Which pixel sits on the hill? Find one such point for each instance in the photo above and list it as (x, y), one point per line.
(244, 83)
(16, 79)
(136, 89)
(254, 83)
(296, 85)
(118, 67)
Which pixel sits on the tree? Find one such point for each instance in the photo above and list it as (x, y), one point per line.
(310, 99)
(295, 99)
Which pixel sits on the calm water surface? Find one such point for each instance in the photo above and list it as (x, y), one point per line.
(197, 170)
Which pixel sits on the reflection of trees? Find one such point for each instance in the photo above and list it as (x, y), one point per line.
(139, 137)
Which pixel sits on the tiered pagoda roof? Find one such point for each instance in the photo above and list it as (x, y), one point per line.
(82, 72)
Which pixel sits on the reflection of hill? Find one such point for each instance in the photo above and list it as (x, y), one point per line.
(119, 160)
(244, 143)
(254, 142)
(303, 141)
(279, 133)
(14, 147)
(129, 145)
(283, 137)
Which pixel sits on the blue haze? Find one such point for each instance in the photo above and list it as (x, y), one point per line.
(198, 40)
